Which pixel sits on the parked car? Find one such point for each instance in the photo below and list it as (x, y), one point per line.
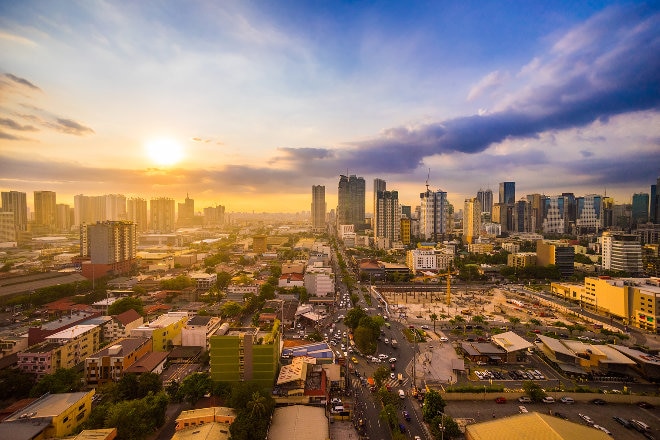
(524, 399)
(598, 402)
(444, 339)
(622, 421)
(567, 400)
(500, 399)
(548, 399)
(522, 409)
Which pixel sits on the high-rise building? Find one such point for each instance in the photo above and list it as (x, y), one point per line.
(622, 252)
(588, 213)
(161, 215)
(536, 202)
(406, 211)
(64, 216)
(7, 227)
(640, 208)
(507, 193)
(136, 212)
(92, 209)
(507, 200)
(16, 202)
(351, 202)
(434, 212)
(471, 219)
(387, 216)
(45, 209)
(553, 221)
(214, 216)
(522, 216)
(318, 207)
(570, 212)
(186, 212)
(654, 208)
(485, 197)
(111, 247)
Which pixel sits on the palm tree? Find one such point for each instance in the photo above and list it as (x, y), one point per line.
(257, 405)
(514, 320)
(434, 318)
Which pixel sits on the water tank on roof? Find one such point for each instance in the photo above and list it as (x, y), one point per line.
(224, 328)
(114, 350)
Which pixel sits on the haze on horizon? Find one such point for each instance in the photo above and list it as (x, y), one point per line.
(249, 104)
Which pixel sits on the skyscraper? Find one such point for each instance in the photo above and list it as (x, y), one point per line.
(507, 193)
(434, 210)
(351, 202)
(16, 202)
(186, 212)
(654, 212)
(640, 208)
(485, 197)
(45, 209)
(507, 200)
(136, 212)
(387, 218)
(588, 213)
(111, 247)
(161, 214)
(318, 207)
(471, 219)
(379, 186)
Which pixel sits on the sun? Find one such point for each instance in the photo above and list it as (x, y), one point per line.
(164, 152)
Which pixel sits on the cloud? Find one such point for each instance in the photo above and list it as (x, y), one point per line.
(13, 125)
(586, 153)
(10, 137)
(22, 81)
(69, 126)
(580, 81)
(487, 84)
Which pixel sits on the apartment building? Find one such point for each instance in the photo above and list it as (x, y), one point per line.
(110, 363)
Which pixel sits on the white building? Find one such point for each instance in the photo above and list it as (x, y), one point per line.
(197, 331)
(621, 252)
(421, 259)
(434, 213)
(203, 280)
(553, 222)
(319, 281)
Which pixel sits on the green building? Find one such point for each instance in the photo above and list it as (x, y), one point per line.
(245, 354)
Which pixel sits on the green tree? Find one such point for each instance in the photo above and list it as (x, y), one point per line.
(380, 375)
(124, 304)
(446, 423)
(434, 404)
(178, 283)
(514, 320)
(15, 384)
(223, 281)
(138, 418)
(389, 415)
(149, 383)
(63, 380)
(353, 317)
(257, 405)
(195, 386)
(434, 318)
(533, 390)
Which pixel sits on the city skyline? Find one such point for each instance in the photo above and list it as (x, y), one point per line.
(250, 104)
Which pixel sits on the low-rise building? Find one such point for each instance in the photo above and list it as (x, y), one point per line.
(52, 415)
(202, 416)
(521, 259)
(197, 331)
(110, 364)
(165, 331)
(122, 324)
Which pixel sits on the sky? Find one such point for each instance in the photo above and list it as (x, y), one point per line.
(247, 104)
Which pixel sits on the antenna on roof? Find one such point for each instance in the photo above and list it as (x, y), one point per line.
(428, 176)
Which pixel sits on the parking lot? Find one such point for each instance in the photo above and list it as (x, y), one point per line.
(601, 415)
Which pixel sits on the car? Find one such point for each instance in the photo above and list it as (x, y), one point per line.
(620, 420)
(406, 415)
(354, 360)
(602, 428)
(336, 401)
(402, 428)
(382, 356)
(567, 400)
(586, 419)
(645, 405)
(598, 402)
(522, 409)
(500, 400)
(524, 399)
(560, 415)
(548, 399)
(425, 327)
(444, 339)
(392, 376)
(392, 360)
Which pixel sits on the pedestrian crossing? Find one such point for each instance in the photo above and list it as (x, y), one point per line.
(392, 383)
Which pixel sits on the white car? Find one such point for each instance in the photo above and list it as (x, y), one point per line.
(392, 376)
(444, 339)
(522, 409)
(567, 400)
(382, 356)
(425, 327)
(548, 399)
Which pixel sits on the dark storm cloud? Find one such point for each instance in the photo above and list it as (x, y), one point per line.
(13, 125)
(22, 81)
(608, 66)
(69, 126)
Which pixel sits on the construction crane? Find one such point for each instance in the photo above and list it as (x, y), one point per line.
(449, 274)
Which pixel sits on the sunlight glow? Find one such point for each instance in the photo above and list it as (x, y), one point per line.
(164, 152)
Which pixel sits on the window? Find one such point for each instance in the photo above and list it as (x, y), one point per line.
(66, 419)
(80, 408)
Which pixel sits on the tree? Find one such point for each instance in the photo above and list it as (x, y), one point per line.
(434, 318)
(389, 415)
(514, 320)
(257, 405)
(353, 317)
(127, 387)
(15, 384)
(136, 419)
(149, 383)
(533, 390)
(434, 404)
(194, 387)
(446, 423)
(124, 304)
(380, 375)
(224, 278)
(230, 309)
(63, 380)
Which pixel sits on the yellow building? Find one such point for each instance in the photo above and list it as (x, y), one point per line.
(202, 416)
(165, 331)
(480, 248)
(208, 431)
(259, 245)
(521, 259)
(571, 292)
(53, 415)
(405, 230)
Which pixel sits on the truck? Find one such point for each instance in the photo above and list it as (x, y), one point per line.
(394, 343)
(372, 384)
(400, 377)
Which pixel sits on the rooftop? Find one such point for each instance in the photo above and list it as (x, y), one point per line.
(72, 332)
(49, 406)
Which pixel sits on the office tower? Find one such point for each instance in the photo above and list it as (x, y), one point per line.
(654, 209)
(186, 212)
(507, 200)
(64, 217)
(214, 216)
(406, 211)
(387, 218)
(318, 208)
(621, 252)
(7, 227)
(379, 185)
(136, 212)
(434, 211)
(536, 202)
(620, 216)
(522, 218)
(640, 208)
(553, 221)
(161, 215)
(16, 202)
(588, 213)
(507, 193)
(471, 219)
(570, 212)
(111, 247)
(485, 197)
(351, 202)
(45, 209)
